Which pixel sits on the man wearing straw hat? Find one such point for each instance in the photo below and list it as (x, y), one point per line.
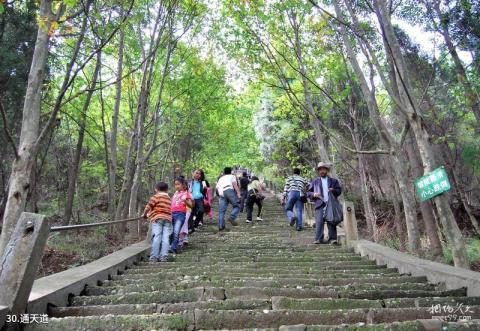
(318, 192)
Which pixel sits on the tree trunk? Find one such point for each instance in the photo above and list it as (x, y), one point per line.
(22, 166)
(398, 160)
(367, 204)
(397, 218)
(422, 137)
(426, 208)
(112, 167)
(415, 163)
(75, 166)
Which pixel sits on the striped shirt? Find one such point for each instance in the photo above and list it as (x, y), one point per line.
(159, 207)
(296, 183)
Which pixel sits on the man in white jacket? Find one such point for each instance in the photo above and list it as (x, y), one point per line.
(229, 192)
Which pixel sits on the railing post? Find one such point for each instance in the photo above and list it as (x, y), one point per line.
(19, 263)
(349, 222)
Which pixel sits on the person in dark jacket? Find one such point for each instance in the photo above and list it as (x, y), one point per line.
(244, 181)
(318, 192)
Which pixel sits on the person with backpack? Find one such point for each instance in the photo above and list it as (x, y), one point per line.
(294, 195)
(197, 188)
(254, 196)
(321, 190)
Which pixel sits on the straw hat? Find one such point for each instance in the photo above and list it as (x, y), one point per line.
(324, 165)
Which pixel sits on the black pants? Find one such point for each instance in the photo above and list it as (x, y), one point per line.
(243, 199)
(198, 211)
(251, 200)
(319, 226)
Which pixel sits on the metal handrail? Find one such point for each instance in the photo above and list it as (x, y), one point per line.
(90, 225)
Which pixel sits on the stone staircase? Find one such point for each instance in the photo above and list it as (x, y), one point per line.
(264, 276)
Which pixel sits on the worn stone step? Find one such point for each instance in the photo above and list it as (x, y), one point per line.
(266, 282)
(214, 293)
(109, 322)
(263, 273)
(430, 302)
(182, 285)
(167, 296)
(415, 325)
(151, 308)
(230, 319)
(358, 319)
(185, 269)
(289, 264)
(258, 258)
(375, 294)
(279, 303)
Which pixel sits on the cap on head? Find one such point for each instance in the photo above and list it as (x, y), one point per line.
(325, 165)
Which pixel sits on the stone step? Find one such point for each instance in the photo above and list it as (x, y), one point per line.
(289, 264)
(216, 293)
(267, 293)
(279, 303)
(167, 308)
(276, 303)
(189, 281)
(230, 319)
(167, 296)
(183, 285)
(253, 269)
(263, 273)
(209, 319)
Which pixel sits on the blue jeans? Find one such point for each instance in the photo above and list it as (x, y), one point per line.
(319, 226)
(161, 231)
(178, 218)
(229, 196)
(293, 200)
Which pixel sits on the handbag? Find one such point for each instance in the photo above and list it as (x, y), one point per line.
(333, 210)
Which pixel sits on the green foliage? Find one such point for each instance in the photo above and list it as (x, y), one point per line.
(473, 252)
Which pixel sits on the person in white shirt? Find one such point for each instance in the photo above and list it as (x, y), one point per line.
(229, 192)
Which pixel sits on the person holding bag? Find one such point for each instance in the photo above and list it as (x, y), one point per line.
(321, 190)
(254, 196)
(294, 195)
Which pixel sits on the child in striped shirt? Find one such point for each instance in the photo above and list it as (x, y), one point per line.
(159, 212)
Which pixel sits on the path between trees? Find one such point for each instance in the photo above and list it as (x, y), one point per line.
(263, 275)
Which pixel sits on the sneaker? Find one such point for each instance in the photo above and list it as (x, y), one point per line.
(259, 218)
(153, 261)
(299, 228)
(333, 242)
(293, 221)
(316, 242)
(248, 221)
(233, 222)
(221, 229)
(162, 259)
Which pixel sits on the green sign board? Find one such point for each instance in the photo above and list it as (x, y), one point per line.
(432, 184)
